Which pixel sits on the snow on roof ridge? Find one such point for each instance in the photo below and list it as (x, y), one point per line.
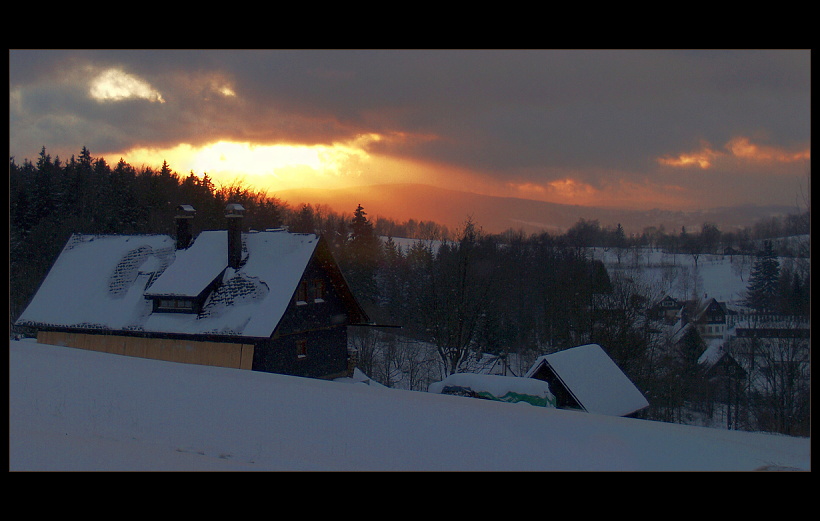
(105, 284)
(594, 379)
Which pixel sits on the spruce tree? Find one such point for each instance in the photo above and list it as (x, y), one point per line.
(761, 293)
(363, 252)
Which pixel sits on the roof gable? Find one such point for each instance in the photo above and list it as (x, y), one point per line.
(710, 307)
(596, 382)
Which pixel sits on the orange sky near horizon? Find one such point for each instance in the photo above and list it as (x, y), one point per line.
(511, 124)
(276, 168)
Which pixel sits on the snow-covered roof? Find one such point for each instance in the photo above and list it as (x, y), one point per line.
(713, 353)
(497, 387)
(679, 330)
(104, 281)
(594, 379)
(193, 268)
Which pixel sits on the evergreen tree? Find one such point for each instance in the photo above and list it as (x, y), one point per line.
(761, 293)
(304, 221)
(363, 252)
(391, 277)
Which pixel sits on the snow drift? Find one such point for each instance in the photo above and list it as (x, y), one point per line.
(78, 410)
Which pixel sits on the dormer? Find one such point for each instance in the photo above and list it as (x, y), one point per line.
(194, 274)
(199, 265)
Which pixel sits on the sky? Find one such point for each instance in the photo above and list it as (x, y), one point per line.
(640, 129)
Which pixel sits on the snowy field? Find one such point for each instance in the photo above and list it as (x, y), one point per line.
(723, 277)
(74, 410)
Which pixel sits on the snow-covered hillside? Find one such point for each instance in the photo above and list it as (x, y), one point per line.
(78, 410)
(723, 277)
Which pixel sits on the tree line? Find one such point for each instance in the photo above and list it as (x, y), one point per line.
(458, 295)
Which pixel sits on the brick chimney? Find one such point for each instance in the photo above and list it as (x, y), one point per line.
(234, 213)
(183, 218)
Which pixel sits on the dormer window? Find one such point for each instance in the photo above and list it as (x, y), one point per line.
(174, 305)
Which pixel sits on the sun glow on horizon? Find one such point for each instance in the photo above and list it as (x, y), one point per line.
(265, 167)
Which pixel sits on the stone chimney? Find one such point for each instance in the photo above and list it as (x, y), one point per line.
(234, 213)
(183, 218)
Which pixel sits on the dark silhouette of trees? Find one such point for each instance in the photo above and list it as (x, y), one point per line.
(50, 200)
(761, 293)
(360, 258)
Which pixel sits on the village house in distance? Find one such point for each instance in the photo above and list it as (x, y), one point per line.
(270, 301)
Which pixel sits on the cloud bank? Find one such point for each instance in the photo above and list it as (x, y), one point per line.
(677, 127)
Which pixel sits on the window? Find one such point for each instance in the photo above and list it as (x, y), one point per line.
(175, 304)
(316, 289)
(301, 292)
(312, 290)
(301, 349)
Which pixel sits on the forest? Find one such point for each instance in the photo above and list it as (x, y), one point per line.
(448, 300)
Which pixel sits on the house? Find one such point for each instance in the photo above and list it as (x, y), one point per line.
(723, 374)
(585, 378)
(710, 318)
(269, 301)
(666, 309)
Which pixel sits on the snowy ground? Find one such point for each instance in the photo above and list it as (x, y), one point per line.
(76, 410)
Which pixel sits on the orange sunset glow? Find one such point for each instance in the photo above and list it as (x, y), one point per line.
(281, 167)
(739, 149)
(521, 124)
(276, 168)
(263, 167)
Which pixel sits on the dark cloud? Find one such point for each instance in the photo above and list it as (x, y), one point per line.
(514, 113)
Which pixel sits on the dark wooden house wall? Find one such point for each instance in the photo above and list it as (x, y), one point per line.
(320, 327)
(714, 314)
(325, 354)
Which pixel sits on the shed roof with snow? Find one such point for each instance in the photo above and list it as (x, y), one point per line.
(592, 378)
(109, 282)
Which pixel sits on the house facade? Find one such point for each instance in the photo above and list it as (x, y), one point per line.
(270, 300)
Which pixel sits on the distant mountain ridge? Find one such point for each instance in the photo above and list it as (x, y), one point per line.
(495, 214)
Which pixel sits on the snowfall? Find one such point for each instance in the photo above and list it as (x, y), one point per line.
(77, 410)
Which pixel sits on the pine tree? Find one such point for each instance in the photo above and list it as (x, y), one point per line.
(761, 293)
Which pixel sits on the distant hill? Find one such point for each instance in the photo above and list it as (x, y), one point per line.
(451, 208)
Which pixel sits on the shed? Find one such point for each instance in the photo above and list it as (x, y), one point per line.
(587, 379)
(270, 301)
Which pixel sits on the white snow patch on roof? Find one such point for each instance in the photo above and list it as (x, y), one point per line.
(251, 300)
(195, 267)
(496, 385)
(594, 379)
(100, 282)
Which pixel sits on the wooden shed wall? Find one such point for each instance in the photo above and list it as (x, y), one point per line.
(237, 356)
